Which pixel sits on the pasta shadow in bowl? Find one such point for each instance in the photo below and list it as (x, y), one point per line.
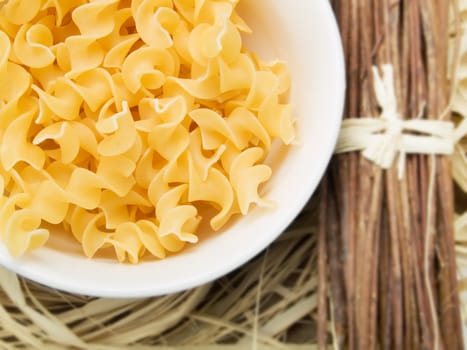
(302, 33)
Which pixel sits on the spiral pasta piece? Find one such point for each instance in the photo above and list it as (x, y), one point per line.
(120, 121)
(175, 219)
(244, 167)
(155, 22)
(236, 75)
(216, 189)
(71, 137)
(15, 146)
(20, 229)
(201, 162)
(32, 46)
(95, 19)
(95, 87)
(148, 68)
(21, 12)
(49, 202)
(210, 41)
(248, 129)
(13, 101)
(120, 133)
(24, 233)
(84, 53)
(215, 130)
(169, 129)
(62, 100)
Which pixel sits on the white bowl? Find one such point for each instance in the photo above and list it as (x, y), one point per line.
(305, 35)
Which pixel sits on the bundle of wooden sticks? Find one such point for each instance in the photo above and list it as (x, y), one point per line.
(387, 270)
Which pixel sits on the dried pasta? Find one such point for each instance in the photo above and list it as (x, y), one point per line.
(120, 120)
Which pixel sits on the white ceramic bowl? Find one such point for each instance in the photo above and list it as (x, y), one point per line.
(304, 34)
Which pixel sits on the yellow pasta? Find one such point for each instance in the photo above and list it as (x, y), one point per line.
(32, 46)
(120, 121)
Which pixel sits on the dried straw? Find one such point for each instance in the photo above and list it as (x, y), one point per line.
(267, 304)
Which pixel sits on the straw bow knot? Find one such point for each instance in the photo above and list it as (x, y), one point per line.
(383, 139)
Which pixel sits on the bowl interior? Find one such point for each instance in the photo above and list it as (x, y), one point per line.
(303, 34)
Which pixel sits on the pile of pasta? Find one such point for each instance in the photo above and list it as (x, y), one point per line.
(119, 119)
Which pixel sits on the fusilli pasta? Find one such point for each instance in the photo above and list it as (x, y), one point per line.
(119, 119)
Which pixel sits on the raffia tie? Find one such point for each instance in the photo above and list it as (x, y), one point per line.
(383, 139)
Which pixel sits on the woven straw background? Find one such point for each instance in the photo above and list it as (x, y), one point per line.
(270, 303)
